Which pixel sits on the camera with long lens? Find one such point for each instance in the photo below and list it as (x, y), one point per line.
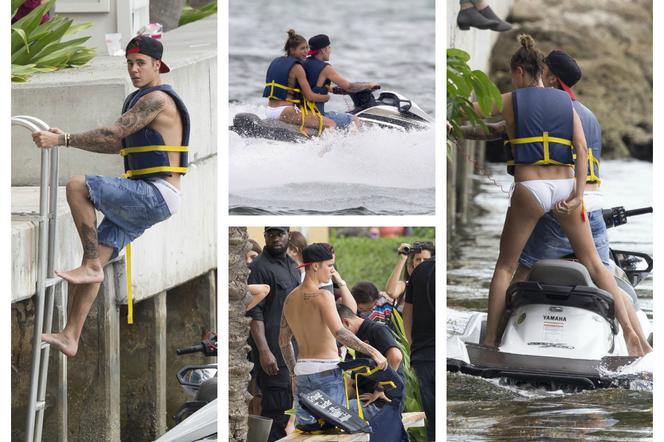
(411, 250)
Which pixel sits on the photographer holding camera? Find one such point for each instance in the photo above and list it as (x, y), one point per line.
(410, 256)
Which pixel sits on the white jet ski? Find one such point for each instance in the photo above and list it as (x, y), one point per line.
(562, 328)
(388, 110)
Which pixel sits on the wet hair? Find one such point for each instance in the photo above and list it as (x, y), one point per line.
(293, 41)
(364, 292)
(528, 57)
(255, 246)
(345, 312)
(297, 241)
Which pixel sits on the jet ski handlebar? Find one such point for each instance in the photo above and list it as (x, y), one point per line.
(617, 216)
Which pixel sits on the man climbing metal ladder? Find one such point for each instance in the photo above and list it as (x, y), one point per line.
(152, 136)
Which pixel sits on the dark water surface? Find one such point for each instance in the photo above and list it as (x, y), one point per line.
(480, 409)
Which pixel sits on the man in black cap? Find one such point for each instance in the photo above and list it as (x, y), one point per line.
(320, 75)
(152, 136)
(310, 316)
(278, 270)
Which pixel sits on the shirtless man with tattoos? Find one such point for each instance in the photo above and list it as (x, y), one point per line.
(310, 315)
(152, 136)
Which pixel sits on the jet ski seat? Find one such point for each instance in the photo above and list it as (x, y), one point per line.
(563, 283)
(561, 272)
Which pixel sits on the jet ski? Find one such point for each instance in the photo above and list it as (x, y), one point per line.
(388, 110)
(562, 329)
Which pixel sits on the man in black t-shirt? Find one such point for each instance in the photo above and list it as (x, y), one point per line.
(419, 315)
(278, 270)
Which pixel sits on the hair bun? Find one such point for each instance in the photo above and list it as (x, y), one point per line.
(291, 33)
(526, 41)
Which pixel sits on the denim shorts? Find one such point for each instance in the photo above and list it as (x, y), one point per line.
(129, 208)
(329, 382)
(548, 240)
(343, 119)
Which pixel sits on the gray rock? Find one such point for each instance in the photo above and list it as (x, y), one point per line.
(612, 42)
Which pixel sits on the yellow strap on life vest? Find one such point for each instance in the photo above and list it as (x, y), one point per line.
(310, 106)
(367, 372)
(130, 304)
(274, 84)
(592, 161)
(137, 172)
(155, 148)
(545, 139)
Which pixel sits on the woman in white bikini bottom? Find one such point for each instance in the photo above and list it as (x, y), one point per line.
(547, 192)
(538, 189)
(274, 113)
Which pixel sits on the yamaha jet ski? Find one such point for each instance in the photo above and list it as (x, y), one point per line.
(562, 328)
(388, 110)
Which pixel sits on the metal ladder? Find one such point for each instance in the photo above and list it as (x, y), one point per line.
(47, 283)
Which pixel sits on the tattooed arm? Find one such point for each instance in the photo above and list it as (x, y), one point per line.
(108, 139)
(285, 344)
(346, 85)
(343, 335)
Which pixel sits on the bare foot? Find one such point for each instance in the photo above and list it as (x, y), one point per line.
(83, 275)
(62, 343)
(646, 347)
(633, 344)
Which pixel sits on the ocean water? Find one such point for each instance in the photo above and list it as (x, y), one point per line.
(483, 409)
(373, 171)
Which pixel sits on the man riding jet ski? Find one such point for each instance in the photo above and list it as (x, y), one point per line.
(297, 88)
(389, 110)
(561, 327)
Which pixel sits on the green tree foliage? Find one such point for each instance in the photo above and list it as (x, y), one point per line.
(38, 47)
(463, 84)
(366, 259)
(190, 14)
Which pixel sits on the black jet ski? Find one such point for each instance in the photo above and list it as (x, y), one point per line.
(388, 110)
(562, 329)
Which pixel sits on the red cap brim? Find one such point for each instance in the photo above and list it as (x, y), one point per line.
(567, 89)
(164, 68)
(313, 51)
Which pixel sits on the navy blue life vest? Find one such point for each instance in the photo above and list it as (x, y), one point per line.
(593, 133)
(544, 124)
(276, 80)
(313, 67)
(145, 154)
(386, 423)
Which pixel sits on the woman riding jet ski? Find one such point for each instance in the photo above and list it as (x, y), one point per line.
(390, 110)
(297, 89)
(562, 329)
(288, 91)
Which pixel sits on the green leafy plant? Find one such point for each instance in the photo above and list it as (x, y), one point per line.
(463, 84)
(190, 14)
(38, 47)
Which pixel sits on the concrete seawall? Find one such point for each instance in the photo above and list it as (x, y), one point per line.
(122, 382)
(467, 156)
